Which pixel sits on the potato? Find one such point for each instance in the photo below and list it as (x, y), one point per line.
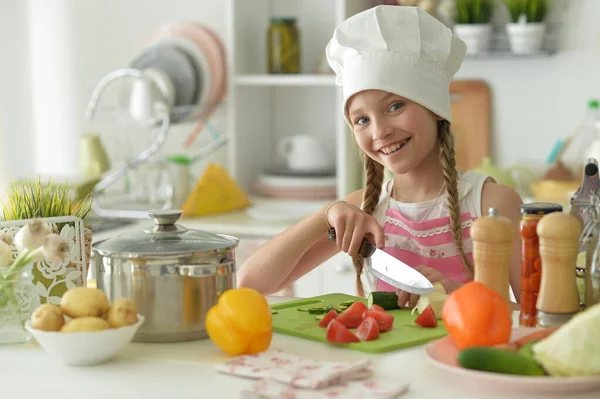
(84, 302)
(85, 323)
(123, 312)
(47, 317)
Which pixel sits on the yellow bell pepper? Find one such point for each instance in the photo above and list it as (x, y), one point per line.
(241, 322)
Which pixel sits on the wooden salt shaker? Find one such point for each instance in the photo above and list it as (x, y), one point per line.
(492, 237)
(558, 299)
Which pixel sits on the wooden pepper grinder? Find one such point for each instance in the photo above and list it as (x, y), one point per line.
(558, 299)
(492, 237)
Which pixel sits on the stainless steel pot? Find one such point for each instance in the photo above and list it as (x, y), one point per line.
(173, 274)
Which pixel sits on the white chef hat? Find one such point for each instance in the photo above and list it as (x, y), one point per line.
(399, 49)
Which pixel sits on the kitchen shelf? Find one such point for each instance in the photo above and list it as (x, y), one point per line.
(285, 80)
(507, 55)
(264, 108)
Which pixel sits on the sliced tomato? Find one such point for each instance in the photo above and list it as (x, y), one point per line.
(376, 308)
(384, 320)
(368, 330)
(352, 317)
(324, 322)
(339, 334)
(427, 318)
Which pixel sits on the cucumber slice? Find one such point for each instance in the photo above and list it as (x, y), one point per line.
(302, 309)
(387, 300)
(273, 311)
(317, 310)
(346, 303)
(319, 317)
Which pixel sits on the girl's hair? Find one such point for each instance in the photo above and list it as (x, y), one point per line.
(374, 182)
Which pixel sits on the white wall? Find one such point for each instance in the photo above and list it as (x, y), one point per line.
(534, 101)
(16, 157)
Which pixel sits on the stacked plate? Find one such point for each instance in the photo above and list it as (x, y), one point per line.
(283, 183)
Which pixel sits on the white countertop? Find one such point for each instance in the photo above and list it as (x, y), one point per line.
(239, 223)
(185, 370)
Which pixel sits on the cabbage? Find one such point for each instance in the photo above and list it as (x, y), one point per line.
(573, 349)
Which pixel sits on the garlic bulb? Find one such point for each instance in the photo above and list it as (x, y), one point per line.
(31, 236)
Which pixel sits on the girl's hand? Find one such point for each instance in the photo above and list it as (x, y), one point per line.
(352, 225)
(434, 276)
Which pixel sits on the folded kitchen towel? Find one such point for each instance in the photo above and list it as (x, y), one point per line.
(283, 374)
(266, 389)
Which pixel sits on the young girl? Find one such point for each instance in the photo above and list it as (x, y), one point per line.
(395, 65)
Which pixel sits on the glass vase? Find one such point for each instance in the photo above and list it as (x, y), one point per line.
(18, 300)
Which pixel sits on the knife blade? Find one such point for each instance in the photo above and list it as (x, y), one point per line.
(391, 270)
(397, 273)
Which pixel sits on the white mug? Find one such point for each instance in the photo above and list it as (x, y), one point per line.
(305, 153)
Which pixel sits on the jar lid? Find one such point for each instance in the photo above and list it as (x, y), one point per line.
(165, 238)
(540, 208)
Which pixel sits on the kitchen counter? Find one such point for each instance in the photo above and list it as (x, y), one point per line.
(239, 223)
(233, 223)
(185, 370)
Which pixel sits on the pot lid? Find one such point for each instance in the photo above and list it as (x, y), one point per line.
(164, 238)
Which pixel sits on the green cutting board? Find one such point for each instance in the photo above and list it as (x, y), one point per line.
(405, 333)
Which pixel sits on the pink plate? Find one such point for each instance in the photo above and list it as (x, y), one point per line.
(442, 354)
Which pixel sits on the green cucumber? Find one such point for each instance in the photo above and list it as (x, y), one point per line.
(302, 309)
(346, 303)
(319, 317)
(317, 310)
(387, 300)
(273, 311)
(496, 360)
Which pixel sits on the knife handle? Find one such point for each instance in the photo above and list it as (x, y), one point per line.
(366, 248)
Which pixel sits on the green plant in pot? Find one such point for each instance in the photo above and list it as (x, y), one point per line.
(527, 26)
(40, 200)
(473, 24)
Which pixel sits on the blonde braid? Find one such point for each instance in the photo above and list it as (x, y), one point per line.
(447, 157)
(374, 174)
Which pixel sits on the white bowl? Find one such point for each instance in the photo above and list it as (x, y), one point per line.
(85, 348)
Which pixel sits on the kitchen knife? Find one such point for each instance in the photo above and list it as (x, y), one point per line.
(391, 270)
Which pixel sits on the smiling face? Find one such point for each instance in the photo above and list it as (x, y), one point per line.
(394, 131)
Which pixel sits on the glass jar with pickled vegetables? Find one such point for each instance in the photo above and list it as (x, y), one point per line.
(283, 51)
(531, 263)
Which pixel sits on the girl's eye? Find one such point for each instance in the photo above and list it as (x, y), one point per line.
(396, 106)
(361, 121)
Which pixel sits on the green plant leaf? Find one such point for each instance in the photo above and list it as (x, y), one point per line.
(536, 10)
(474, 11)
(29, 200)
(515, 9)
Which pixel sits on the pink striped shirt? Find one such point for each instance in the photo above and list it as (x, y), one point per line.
(429, 242)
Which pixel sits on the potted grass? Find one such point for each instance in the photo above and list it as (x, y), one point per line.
(473, 24)
(42, 200)
(527, 25)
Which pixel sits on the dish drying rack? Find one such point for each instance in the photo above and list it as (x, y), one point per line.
(180, 76)
(164, 117)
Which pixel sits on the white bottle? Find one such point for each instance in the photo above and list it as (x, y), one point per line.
(581, 145)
